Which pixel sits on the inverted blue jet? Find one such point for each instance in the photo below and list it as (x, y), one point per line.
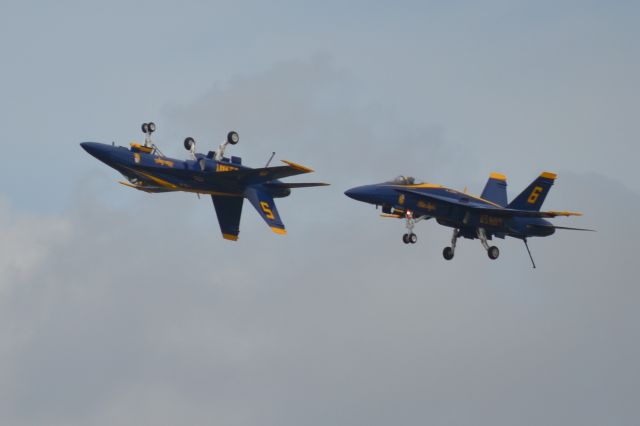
(225, 179)
(484, 217)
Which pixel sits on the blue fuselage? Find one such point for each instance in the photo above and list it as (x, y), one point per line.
(154, 173)
(450, 208)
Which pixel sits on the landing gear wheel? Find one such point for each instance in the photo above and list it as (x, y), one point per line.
(493, 252)
(405, 238)
(413, 238)
(447, 253)
(233, 137)
(188, 143)
(151, 127)
(145, 128)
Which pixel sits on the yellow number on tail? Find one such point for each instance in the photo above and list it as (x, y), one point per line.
(534, 195)
(267, 210)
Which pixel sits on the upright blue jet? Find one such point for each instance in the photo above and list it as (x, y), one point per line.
(225, 179)
(484, 217)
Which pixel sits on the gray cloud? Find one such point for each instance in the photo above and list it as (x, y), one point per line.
(139, 312)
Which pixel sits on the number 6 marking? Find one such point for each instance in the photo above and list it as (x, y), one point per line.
(534, 195)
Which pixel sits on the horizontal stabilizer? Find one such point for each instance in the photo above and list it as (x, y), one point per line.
(295, 185)
(563, 227)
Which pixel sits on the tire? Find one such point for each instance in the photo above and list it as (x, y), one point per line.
(493, 252)
(152, 127)
(188, 143)
(145, 128)
(233, 137)
(405, 238)
(447, 253)
(413, 238)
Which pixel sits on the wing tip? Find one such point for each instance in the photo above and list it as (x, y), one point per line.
(230, 237)
(297, 166)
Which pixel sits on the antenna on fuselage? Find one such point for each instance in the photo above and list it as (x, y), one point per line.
(270, 158)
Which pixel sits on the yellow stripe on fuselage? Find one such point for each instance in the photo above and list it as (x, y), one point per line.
(434, 186)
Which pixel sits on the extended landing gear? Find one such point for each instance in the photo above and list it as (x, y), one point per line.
(448, 252)
(410, 237)
(492, 251)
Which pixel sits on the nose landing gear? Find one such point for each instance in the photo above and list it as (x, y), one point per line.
(410, 237)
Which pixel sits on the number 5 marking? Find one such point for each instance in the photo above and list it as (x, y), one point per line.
(267, 210)
(534, 195)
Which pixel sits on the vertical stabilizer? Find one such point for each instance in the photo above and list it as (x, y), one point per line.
(496, 189)
(263, 203)
(533, 197)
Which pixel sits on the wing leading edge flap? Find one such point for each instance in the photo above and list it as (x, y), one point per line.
(263, 202)
(489, 210)
(228, 210)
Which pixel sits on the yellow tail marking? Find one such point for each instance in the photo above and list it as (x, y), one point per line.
(548, 175)
(280, 231)
(534, 195)
(230, 237)
(267, 210)
(498, 176)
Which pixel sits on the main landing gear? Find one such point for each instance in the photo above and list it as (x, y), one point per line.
(493, 252)
(448, 252)
(410, 237)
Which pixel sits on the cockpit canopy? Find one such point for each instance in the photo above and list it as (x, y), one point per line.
(404, 180)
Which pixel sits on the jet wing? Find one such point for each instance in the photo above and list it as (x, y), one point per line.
(497, 211)
(266, 174)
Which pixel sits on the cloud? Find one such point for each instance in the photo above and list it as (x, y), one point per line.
(143, 314)
(139, 312)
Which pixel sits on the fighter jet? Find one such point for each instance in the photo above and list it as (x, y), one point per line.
(484, 217)
(225, 179)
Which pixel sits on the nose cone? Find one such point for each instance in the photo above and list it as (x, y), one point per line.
(360, 193)
(98, 150)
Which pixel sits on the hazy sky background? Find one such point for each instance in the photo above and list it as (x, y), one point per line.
(118, 307)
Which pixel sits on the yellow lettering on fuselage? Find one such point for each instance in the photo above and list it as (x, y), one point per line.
(225, 168)
(427, 206)
(491, 220)
(162, 162)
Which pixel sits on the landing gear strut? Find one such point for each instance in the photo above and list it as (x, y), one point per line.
(410, 237)
(492, 251)
(448, 252)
